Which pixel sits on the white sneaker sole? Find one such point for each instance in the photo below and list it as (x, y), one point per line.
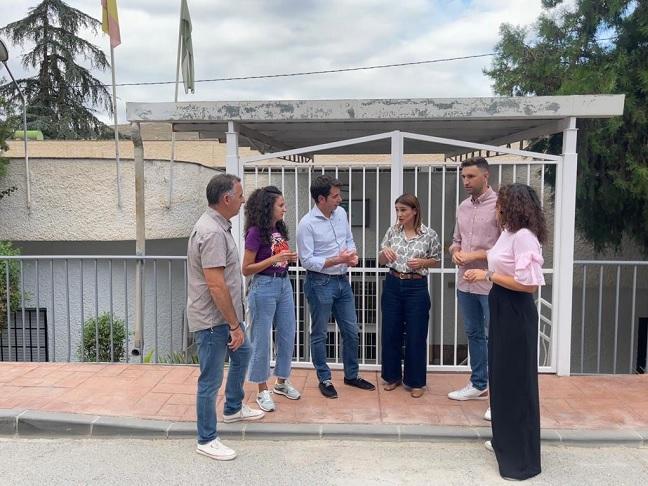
(464, 399)
(218, 458)
(285, 394)
(229, 420)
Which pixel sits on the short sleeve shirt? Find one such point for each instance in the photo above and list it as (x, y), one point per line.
(424, 245)
(518, 255)
(211, 245)
(263, 251)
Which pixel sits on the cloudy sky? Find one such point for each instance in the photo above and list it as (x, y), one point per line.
(253, 37)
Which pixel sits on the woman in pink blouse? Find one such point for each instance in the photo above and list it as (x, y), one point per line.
(515, 269)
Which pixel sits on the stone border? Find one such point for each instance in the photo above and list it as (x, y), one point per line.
(28, 423)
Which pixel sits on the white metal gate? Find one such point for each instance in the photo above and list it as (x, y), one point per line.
(369, 204)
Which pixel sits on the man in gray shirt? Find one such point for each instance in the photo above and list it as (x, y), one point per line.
(215, 314)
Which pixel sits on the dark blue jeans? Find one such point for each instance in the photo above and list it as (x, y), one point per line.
(326, 294)
(474, 309)
(212, 349)
(405, 315)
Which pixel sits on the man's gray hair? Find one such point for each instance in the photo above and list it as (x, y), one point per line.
(219, 185)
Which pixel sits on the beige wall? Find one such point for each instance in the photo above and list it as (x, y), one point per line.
(76, 200)
(209, 153)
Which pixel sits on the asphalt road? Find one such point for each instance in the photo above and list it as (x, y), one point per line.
(303, 463)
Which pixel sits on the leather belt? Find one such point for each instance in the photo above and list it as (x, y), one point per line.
(332, 275)
(406, 276)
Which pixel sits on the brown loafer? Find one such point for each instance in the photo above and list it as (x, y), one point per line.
(416, 392)
(391, 386)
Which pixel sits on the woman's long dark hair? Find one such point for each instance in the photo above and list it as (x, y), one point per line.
(519, 207)
(258, 212)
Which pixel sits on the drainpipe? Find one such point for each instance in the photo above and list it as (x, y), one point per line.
(140, 240)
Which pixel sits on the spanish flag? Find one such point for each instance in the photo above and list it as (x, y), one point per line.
(110, 21)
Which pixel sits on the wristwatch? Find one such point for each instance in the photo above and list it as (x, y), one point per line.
(489, 275)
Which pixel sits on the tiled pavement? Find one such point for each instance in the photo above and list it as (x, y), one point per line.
(168, 393)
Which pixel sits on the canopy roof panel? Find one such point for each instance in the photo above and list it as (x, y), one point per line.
(270, 126)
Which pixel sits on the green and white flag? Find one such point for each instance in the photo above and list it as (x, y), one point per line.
(186, 48)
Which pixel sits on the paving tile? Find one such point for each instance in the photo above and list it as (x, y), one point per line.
(69, 380)
(112, 369)
(170, 411)
(168, 392)
(190, 415)
(176, 388)
(178, 375)
(182, 399)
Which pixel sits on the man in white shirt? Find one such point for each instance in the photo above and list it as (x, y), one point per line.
(326, 249)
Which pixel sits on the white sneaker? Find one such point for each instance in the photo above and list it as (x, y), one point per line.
(287, 390)
(246, 413)
(468, 392)
(489, 445)
(487, 415)
(264, 399)
(216, 450)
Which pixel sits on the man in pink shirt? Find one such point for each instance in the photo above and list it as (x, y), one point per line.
(476, 231)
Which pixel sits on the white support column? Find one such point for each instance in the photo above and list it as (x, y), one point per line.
(565, 215)
(140, 239)
(234, 166)
(396, 171)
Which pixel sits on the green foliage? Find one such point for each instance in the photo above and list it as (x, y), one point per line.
(6, 129)
(593, 47)
(101, 328)
(13, 266)
(176, 357)
(63, 96)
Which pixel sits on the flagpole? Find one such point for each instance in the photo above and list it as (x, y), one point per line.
(114, 103)
(177, 81)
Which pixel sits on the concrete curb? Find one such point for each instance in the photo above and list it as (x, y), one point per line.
(28, 423)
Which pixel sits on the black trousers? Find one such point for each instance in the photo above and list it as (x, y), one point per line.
(513, 381)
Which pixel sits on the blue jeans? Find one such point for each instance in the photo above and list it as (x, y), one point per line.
(212, 349)
(326, 294)
(270, 300)
(405, 308)
(474, 309)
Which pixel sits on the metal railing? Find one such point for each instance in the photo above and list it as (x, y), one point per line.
(84, 310)
(87, 303)
(610, 299)
(366, 192)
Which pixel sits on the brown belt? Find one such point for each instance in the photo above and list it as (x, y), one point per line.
(406, 276)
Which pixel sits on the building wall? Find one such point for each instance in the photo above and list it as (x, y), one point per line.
(76, 200)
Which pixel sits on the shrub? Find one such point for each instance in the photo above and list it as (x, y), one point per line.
(100, 327)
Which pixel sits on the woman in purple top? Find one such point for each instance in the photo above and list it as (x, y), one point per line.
(270, 296)
(515, 269)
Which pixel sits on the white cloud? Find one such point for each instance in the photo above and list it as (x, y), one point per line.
(252, 37)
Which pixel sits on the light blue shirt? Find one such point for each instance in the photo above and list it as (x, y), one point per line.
(319, 238)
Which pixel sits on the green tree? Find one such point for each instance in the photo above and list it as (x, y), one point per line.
(6, 130)
(63, 96)
(592, 47)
